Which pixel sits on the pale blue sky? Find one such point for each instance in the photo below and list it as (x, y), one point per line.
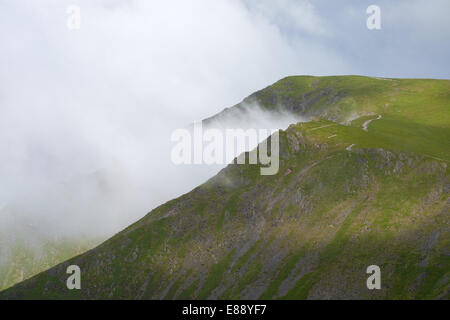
(414, 40)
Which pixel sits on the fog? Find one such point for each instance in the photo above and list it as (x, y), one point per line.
(86, 115)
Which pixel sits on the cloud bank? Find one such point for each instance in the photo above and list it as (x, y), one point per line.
(86, 115)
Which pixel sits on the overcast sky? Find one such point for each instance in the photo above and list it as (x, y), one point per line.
(95, 104)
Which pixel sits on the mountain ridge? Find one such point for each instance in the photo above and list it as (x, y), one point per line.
(344, 198)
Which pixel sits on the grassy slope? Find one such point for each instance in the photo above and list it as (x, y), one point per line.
(311, 230)
(415, 112)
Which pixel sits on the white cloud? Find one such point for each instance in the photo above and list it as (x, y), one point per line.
(100, 102)
(292, 15)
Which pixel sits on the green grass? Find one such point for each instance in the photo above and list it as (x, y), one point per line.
(282, 274)
(215, 276)
(245, 257)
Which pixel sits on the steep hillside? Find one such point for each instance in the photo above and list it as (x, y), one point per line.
(365, 182)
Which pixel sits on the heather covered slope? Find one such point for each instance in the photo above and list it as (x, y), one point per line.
(344, 198)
